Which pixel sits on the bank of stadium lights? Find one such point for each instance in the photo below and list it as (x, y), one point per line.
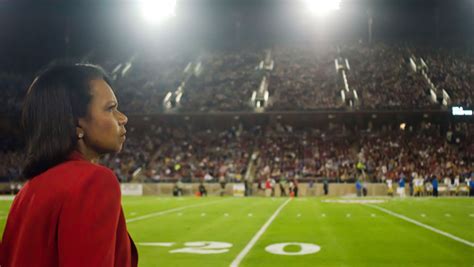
(156, 11)
(322, 7)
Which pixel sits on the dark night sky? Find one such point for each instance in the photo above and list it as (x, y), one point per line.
(33, 32)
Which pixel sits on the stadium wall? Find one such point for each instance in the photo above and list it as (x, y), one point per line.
(214, 189)
(189, 189)
(166, 189)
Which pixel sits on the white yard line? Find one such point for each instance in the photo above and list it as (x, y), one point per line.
(471, 244)
(155, 214)
(255, 238)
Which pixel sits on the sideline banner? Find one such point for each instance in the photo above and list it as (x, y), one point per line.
(238, 190)
(131, 189)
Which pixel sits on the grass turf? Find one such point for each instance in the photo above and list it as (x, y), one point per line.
(347, 234)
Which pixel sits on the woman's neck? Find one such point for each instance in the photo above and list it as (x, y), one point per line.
(88, 154)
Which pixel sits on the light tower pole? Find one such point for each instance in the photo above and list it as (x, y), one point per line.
(370, 21)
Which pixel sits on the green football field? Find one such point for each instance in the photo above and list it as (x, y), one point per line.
(231, 231)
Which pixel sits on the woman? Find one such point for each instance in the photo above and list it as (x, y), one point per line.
(69, 213)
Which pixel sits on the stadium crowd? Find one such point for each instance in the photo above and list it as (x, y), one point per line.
(171, 154)
(226, 83)
(303, 78)
(341, 155)
(142, 88)
(383, 79)
(338, 154)
(452, 71)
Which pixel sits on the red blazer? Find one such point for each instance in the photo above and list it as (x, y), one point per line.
(69, 215)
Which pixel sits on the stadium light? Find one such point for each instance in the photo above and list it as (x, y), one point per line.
(322, 7)
(156, 11)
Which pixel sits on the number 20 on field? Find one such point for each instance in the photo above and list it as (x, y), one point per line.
(213, 247)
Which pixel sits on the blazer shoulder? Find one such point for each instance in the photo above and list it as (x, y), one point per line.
(92, 175)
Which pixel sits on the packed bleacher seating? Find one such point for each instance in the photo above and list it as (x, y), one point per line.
(303, 78)
(226, 83)
(181, 153)
(339, 154)
(383, 78)
(452, 71)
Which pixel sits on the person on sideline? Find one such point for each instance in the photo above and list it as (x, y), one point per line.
(268, 187)
(69, 211)
(434, 182)
(326, 186)
(401, 186)
(202, 190)
(471, 187)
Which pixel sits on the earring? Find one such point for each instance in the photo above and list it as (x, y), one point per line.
(81, 135)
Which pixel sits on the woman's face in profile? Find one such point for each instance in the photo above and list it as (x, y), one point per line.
(104, 125)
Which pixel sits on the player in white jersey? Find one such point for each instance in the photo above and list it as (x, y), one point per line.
(418, 185)
(389, 187)
(457, 185)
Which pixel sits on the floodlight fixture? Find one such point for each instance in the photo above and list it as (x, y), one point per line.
(156, 11)
(322, 7)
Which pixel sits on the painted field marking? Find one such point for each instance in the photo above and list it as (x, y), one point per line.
(305, 249)
(255, 238)
(204, 247)
(156, 244)
(155, 214)
(354, 201)
(471, 244)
